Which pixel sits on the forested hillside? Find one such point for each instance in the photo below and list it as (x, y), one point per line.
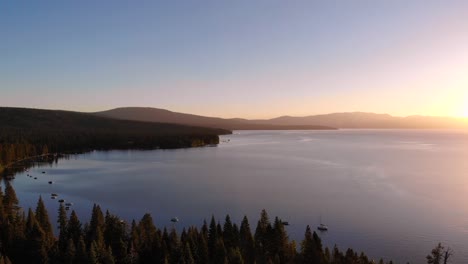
(148, 114)
(31, 132)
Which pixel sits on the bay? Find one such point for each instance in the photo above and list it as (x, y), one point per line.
(390, 193)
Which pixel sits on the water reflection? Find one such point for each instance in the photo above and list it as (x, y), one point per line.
(390, 193)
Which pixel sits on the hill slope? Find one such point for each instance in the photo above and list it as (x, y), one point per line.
(371, 120)
(66, 121)
(31, 132)
(160, 115)
(328, 121)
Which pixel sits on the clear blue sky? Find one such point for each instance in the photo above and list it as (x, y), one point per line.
(252, 59)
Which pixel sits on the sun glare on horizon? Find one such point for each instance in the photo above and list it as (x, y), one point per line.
(465, 111)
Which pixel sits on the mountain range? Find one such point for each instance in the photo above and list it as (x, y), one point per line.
(357, 120)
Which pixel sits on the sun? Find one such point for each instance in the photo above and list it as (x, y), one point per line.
(464, 112)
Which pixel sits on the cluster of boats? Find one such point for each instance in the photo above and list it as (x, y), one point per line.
(53, 195)
(320, 227)
(67, 205)
(30, 176)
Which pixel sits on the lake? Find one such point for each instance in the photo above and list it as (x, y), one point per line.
(390, 193)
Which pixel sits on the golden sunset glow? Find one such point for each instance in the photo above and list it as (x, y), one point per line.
(464, 112)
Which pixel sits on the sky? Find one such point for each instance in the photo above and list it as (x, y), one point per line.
(245, 58)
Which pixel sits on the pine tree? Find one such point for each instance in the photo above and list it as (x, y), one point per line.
(351, 256)
(134, 238)
(263, 238)
(318, 245)
(187, 256)
(203, 252)
(74, 229)
(15, 237)
(235, 256)
(146, 233)
(174, 246)
(10, 200)
(309, 249)
(96, 227)
(212, 237)
(280, 242)
(228, 233)
(327, 255)
(107, 257)
(70, 252)
(247, 244)
(93, 254)
(220, 253)
(204, 230)
(62, 226)
(338, 257)
(2, 210)
(81, 252)
(43, 219)
(114, 234)
(35, 250)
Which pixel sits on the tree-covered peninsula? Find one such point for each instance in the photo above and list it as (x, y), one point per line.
(28, 133)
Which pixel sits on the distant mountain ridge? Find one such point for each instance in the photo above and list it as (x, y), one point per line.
(147, 114)
(358, 120)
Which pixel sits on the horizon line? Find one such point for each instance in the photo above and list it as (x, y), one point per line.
(274, 117)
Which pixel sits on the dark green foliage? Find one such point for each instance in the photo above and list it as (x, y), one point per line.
(96, 228)
(439, 255)
(81, 252)
(310, 250)
(146, 232)
(74, 230)
(43, 220)
(229, 234)
(32, 132)
(36, 243)
(263, 239)
(247, 244)
(70, 252)
(62, 226)
(281, 247)
(10, 201)
(212, 237)
(108, 240)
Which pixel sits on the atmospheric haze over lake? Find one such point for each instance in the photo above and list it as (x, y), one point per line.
(390, 193)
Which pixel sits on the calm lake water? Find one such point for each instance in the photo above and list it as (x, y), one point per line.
(391, 193)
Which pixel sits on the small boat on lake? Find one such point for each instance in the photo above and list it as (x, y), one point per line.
(174, 220)
(322, 227)
(54, 194)
(61, 201)
(50, 182)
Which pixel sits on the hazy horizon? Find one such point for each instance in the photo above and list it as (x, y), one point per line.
(242, 117)
(254, 60)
